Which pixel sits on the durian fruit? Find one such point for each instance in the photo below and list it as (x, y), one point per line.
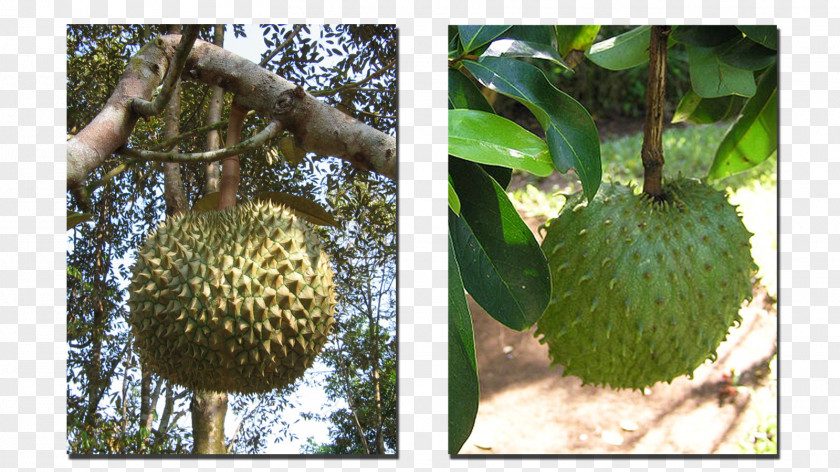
(234, 300)
(644, 291)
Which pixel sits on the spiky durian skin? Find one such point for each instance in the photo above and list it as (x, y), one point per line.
(236, 300)
(644, 291)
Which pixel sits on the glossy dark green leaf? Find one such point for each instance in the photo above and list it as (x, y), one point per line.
(766, 35)
(753, 137)
(747, 54)
(711, 77)
(501, 263)
(475, 36)
(501, 175)
(487, 138)
(517, 48)
(463, 373)
(543, 34)
(464, 93)
(575, 37)
(698, 110)
(705, 35)
(570, 132)
(454, 42)
(621, 52)
(454, 201)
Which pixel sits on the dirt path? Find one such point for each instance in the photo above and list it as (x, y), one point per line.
(528, 407)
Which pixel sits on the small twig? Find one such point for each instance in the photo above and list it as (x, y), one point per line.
(147, 108)
(652, 157)
(367, 79)
(369, 113)
(270, 131)
(241, 422)
(282, 46)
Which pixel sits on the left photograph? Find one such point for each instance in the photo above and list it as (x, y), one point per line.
(231, 240)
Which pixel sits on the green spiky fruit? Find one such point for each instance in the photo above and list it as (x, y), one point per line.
(236, 300)
(644, 291)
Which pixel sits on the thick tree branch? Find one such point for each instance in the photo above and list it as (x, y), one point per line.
(173, 186)
(214, 116)
(270, 131)
(173, 74)
(317, 127)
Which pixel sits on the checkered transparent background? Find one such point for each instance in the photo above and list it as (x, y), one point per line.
(32, 210)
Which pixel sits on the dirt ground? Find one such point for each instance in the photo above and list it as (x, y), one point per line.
(528, 407)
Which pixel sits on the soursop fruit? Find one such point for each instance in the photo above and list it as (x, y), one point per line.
(234, 300)
(644, 291)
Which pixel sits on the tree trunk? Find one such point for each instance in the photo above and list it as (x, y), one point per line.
(317, 127)
(208, 421)
(93, 370)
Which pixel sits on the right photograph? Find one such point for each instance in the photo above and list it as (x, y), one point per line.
(613, 228)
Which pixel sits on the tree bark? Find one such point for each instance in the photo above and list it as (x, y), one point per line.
(317, 127)
(230, 166)
(173, 186)
(652, 157)
(214, 115)
(208, 421)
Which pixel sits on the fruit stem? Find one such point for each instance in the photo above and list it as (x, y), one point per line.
(230, 166)
(652, 157)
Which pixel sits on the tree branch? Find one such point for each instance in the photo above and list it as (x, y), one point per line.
(230, 166)
(150, 108)
(173, 186)
(282, 46)
(214, 116)
(270, 131)
(320, 93)
(652, 157)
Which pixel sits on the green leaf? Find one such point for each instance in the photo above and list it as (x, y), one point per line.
(501, 263)
(711, 77)
(207, 202)
(575, 37)
(454, 42)
(766, 35)
(518, 48)
(301, 206)
(701, 111)
(464, 93)
(463, 373)
(501, 175)
(570, 132)
(74, 219)
(454, 202)
(753, 137)
(491, 139)
(745, 53)
(621, 52)
(475, 36)
(543, 34)
(704, 35)
(291, 152)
